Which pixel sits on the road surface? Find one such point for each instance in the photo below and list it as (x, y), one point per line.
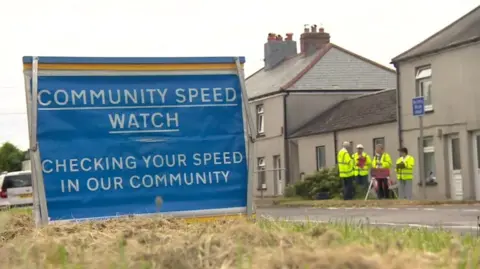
(458, 218)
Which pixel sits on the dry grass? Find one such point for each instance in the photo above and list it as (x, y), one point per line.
(165, 243)
(298, 202)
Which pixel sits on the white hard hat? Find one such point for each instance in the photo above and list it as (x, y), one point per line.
(359, 146)
(346, 144)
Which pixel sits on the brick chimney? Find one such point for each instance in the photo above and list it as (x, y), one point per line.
(278, 49)
(312, 39)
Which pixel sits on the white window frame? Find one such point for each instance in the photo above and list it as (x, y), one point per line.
(260, 119)
(423, 76)
(261, 173)
(317, 155)
(426, 150)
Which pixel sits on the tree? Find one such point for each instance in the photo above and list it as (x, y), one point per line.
(11, 157)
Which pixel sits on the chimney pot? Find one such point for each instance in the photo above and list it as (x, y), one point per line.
(279, 38)
(311, 42)
(271, 36)
(289, 36)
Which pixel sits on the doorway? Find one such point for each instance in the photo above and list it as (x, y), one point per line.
(455, 167)
(476, 162)
(277, 176)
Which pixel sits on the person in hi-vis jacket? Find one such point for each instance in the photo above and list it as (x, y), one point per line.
(345, 170)
(404, 170)
(381, 159)
(362, 163)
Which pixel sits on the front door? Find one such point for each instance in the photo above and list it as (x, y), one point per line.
(277, 175)
(456, 180)
(476, 164)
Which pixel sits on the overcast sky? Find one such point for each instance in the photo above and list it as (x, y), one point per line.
(376, 29)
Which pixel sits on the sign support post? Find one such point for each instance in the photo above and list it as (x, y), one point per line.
(418, 106)
(36, 204)
(34, 151)
(251, 130)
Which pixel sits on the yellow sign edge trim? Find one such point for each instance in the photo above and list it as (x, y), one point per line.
(132, 67)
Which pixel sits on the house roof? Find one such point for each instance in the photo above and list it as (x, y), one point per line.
(279, 78)
(369, 109)
(338, 73)
(461, 32)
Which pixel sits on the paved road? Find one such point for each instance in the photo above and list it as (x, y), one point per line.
(462, 219)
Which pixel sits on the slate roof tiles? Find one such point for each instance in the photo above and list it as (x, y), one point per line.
(369, 109)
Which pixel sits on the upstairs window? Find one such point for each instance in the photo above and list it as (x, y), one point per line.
(423, 80)
(260, 120)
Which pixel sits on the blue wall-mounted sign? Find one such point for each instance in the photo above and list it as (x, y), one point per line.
(418, 106)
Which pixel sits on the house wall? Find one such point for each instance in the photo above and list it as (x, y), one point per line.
(364, 136)
(307, 154)
(272, 143)
(455, 94)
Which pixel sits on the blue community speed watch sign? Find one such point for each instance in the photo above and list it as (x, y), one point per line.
(125, 136)
(418, 106)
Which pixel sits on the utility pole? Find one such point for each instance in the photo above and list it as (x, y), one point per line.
(418, 106)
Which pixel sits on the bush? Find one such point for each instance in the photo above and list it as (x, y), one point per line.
(323, 181)
(290, 191)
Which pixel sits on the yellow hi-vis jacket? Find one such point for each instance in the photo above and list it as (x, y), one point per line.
(385, 161)
(407, 172)
(345, 163)
(361, 171)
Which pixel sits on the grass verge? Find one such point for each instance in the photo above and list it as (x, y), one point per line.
(148, 243)
(299, 202)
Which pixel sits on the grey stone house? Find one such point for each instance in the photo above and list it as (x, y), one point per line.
(445, 70)
(292, 88)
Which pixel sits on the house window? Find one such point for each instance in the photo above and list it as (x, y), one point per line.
(261, 172)
(378, 141)
(277, 167)
(456, 160)
(260, 120)
(320, 153)
(424, 86)
(429, 158)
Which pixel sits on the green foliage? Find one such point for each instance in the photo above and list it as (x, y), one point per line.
(290, 191)
(11, 158)
(325, 180)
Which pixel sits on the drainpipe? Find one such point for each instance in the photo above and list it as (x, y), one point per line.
(286, 148)
(399, 107)
(335, 146)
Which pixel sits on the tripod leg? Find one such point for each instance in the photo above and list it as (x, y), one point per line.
(369, 188)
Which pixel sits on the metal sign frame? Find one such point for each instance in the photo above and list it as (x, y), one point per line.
(40, 210)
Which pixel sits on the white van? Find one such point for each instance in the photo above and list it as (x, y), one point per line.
(3, 202)
(17, 189)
